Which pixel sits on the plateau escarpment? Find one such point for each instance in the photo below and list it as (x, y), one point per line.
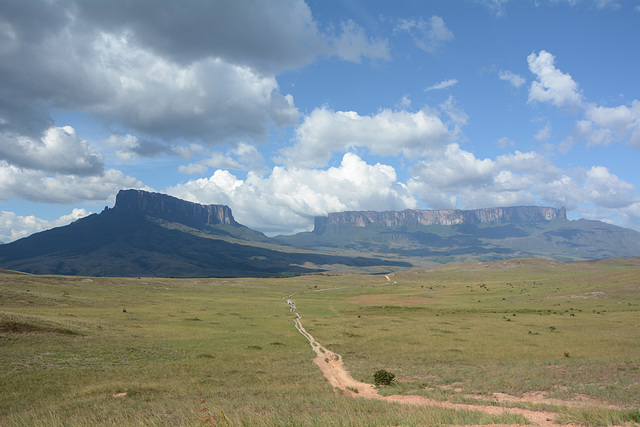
(171, 209)
(412, 218)
(152, 234)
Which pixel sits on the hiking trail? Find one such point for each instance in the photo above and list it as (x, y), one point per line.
(332, 367)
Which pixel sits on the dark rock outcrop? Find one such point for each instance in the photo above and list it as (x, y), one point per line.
(411, 217)
(171, 209)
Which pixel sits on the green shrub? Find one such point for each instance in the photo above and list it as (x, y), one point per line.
(383, 377)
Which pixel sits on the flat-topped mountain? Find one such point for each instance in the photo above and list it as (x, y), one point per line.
(153, 234)
(443, 236)
(413, 218)
(172, 209)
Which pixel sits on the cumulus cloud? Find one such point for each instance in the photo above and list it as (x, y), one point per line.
(604, 125)
(288, 198)
(599, 125)
(206, 74)
(261, 34)
(37, 186)
(209, 100)
(552, 85)
(120, 80)
(428, 34)
(514, 79)
(607, 190)
(385, 133)
(450, 180)
(58, 150)
(14, 227)
(457, 179)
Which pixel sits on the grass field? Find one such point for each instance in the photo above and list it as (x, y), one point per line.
(225, 351)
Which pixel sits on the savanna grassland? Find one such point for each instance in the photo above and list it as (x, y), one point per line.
(555, 337)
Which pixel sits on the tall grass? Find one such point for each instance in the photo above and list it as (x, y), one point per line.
(176, 347)
(165, 352)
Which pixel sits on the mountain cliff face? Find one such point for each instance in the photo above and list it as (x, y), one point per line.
(142, 236)
(411, 217)
(171, 209)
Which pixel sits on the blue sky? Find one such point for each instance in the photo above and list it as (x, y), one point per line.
(286, 109)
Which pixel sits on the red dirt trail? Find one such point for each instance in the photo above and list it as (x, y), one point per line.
(332, 367)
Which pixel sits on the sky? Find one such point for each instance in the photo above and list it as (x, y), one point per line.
(285, 109)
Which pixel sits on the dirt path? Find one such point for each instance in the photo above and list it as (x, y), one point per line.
(332, 367)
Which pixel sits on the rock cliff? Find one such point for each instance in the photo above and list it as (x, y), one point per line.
(171, 209)
(411, 217)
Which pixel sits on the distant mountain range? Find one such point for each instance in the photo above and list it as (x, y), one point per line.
(152, 234)
(493, 234)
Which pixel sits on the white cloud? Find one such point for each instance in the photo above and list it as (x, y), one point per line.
(630, 215)
(604, 125)
(446, 181)
(607, 190)
(543, 134)
(386, 133)
(14, 227)
(128, 147)
(209, 75)
(210, 100)
(515, 80)
(240, 156)
(428, 35)
(607, 4)
(287, 199)
(193, 169)
(404, 104)
(457, 179)
(128, 70)
(353, 44)
(37, 186)
(442, 85)
(600, 125)
(505, 142)
(58, 150)
(552, 85)
(263, 35)
(497, 7)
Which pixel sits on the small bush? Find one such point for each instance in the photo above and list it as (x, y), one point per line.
(383, 377)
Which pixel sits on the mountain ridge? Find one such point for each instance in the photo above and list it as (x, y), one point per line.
(413, 217)
(154, 234)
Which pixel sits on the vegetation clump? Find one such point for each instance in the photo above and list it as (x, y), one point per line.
(10, 326)
(382, 377)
